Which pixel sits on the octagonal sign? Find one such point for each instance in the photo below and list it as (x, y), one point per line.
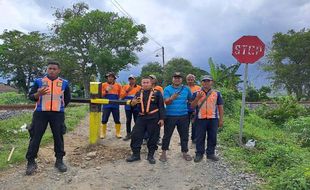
(248, 49)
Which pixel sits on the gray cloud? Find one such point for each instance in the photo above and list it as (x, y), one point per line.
(192, 29)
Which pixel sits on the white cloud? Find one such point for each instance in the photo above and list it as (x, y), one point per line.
(23, 15)
(193, 29)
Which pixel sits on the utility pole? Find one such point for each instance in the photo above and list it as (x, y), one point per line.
(163, 55)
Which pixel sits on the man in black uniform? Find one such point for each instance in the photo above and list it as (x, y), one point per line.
(52, 95)
(151, 117)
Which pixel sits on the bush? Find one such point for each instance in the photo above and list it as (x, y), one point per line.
(12, 98)
(276, 158)
(232, 102)
(230, 133)
(286, 108)
(295, 178)
(301, 128)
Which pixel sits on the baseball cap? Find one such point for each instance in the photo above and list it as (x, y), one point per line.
(207, 77)
(177, 74)
(153, 76)
(110, 74)
(131, 76)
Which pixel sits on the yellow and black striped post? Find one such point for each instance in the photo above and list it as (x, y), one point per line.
(94, 112)
(95, 109)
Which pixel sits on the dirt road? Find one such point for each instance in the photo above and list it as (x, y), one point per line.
(103, 167)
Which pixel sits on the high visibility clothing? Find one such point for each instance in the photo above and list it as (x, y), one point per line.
(129, 92)
(146, 110)
(209, 108)
(54, 99)
(159, 88)
(113, 94)
(194, 89)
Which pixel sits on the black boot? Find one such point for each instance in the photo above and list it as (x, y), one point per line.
(128, 137)
(213, 157)
(31, 167)
(198, 157)
(133, 157)
(151, 159)
(59, 164)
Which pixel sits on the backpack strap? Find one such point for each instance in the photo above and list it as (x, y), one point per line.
(205, 99)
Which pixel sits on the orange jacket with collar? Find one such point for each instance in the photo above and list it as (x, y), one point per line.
(129, 92)
(113, 94)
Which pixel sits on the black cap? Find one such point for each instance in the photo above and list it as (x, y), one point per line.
(177, 74)
(207, 77)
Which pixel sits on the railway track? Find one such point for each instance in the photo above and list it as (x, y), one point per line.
(8, 111)
(77, 102)
(253, 105)
(24, 106)
(17, 107)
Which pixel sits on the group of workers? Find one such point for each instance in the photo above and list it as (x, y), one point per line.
(177, 106)
(151, 107)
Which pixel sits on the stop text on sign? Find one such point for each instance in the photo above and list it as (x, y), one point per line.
(248, 50)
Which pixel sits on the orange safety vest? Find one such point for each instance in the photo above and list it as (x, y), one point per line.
(54, 100)
(194, 88)
(159, 88)
(147, 110)
(129, 94)
(113, 94)
(125, 94)
(209, 108)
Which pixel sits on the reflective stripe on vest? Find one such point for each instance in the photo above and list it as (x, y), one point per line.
(143, 112)
(54, 100)
(208, 109)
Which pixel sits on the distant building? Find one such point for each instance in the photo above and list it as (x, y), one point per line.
(7, 88)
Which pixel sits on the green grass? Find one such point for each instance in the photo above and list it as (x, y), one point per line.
(13, 98)
(20, 140)
(278, 157)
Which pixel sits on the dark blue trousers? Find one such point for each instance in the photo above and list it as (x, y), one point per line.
(106, 114)
(129, 115)
(206, 127)
(152, 128)
(182, 125)
(192, 120)
(39, 124)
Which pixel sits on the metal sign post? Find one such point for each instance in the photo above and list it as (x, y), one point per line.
(245, 81)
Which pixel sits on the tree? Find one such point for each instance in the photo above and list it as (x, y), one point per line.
(263, 93)
(22, 57)
(152, 68)
(252, 94)
(225, 76)
(255, 95)
(95, 42)
(180, 65)
(289, 62)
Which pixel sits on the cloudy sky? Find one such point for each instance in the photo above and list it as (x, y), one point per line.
(192, 29)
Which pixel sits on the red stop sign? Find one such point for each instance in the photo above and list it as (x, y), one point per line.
(248, 49)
